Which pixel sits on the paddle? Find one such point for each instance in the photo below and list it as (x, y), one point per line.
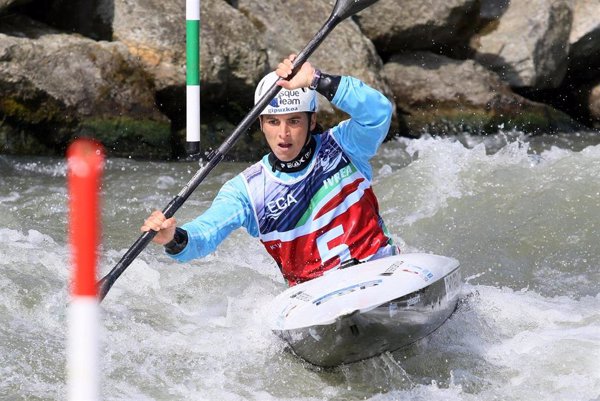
(342, 10)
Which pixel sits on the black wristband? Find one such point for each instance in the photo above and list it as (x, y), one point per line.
(178, 243)
(328, 85)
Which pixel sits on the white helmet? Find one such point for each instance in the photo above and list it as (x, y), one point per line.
(286, 101)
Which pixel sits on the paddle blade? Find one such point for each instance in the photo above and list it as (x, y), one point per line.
(346, 8)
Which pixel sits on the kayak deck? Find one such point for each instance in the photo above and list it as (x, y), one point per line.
(427, 296)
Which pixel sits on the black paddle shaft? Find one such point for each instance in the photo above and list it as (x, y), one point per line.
(342, 10)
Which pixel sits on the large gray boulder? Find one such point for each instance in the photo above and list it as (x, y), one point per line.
(154, 31)
(233, 55)
(440, 95)
(345, 51)
(55, 86)
(585, 34)
(395, 25)
(585, 39)
(529, 45)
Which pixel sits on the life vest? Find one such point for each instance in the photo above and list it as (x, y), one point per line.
(318, 221)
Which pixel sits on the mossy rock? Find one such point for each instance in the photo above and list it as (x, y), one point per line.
(250, 147)
(21, 142)
(127, 137)
(532, 119)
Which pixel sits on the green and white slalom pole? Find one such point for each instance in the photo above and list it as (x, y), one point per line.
(192, 16)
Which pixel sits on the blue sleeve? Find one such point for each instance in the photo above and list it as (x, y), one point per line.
(371, 116)
(231, 209)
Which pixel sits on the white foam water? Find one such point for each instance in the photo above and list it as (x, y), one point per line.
(522, 215)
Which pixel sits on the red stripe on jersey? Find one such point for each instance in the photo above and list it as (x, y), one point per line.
(339, 198)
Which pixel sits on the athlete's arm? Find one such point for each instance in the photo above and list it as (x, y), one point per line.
(371, 116)
(231, 209)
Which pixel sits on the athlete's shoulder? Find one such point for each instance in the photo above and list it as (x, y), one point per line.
(253, 170)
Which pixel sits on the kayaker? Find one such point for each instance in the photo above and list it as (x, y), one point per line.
(309, 200)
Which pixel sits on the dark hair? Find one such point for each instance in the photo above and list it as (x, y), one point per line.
(318, 128)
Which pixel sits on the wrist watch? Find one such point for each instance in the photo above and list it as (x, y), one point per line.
(315, 80)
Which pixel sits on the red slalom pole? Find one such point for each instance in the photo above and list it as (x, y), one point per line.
(85, 159)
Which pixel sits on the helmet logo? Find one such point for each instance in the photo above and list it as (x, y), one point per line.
(287, 100)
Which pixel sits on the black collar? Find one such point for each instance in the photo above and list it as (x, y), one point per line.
(299, 162)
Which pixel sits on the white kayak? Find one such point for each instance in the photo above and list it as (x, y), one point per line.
(364, 310)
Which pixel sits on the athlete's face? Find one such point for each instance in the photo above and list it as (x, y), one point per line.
(286, 133)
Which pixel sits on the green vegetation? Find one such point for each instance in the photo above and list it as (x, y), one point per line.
(124, 136)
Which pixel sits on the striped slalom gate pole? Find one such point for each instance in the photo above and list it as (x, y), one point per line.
(192, 16)
(85, 164)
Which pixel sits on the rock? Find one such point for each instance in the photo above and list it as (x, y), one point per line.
(56, 86)
(594, 105)
(90, 18)
(444, 96)
(5, 5)
(529, 45)
(585, 34)
(233, 56)
(155, 31)
(396, 26)
(232, 59)
(345, 51)
(492, 9)
(585, 40)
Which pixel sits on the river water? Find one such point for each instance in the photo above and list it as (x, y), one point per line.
(521, 214)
